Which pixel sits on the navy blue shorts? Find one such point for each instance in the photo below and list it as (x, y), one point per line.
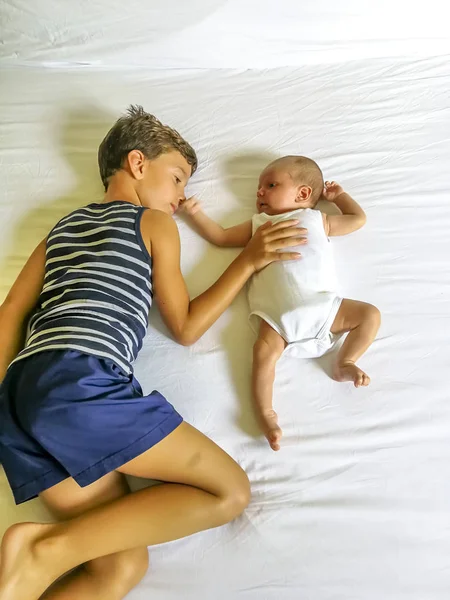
(66, 414)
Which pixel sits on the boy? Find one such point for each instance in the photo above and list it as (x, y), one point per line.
(73, 418)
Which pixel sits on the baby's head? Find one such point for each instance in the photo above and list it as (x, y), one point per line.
(289, 183)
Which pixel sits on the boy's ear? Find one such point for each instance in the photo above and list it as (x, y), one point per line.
(135, 161)
(304, 193)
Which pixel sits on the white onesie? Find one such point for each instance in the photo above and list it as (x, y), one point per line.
(298, 298)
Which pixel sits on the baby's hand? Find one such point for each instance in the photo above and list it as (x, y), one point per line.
(190, 206)
(331, 191)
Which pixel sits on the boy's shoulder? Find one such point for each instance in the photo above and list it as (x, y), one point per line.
(153, 217)
(157, 226)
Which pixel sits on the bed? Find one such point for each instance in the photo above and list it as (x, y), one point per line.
(356, 504)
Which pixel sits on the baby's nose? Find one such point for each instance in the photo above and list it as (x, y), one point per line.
(260, 192)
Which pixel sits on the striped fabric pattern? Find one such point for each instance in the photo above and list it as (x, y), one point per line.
(97, 290)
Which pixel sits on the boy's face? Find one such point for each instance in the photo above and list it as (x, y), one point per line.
(277, 193)
(163, 182)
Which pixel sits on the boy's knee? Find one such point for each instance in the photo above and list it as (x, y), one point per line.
(242, 493)
(121, 571)
(133, 566)
(237, 498)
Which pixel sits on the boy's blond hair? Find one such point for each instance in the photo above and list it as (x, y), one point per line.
(139, 130)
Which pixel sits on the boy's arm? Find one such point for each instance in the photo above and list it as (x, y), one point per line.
(232, 237)
(18, 306)
(188, 319)
(353, 217)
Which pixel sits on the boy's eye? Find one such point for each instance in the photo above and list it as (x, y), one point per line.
(177, 179)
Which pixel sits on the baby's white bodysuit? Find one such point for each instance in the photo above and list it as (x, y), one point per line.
(298, 298)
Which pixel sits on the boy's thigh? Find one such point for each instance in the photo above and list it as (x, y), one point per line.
(187, 456)
(67, 499)
(351, 313)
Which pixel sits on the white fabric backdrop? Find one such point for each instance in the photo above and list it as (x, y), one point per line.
(355, 506)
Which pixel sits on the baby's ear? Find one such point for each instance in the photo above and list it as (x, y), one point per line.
(304, 193)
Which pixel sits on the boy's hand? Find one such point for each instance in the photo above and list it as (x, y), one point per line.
(331, 191)
(190, 206)
(269, 241)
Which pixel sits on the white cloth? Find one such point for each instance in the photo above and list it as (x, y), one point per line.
(360, 487)
(298, 298)
(205, 34)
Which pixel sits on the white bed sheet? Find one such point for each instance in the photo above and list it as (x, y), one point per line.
(218, 33)
(356, 504)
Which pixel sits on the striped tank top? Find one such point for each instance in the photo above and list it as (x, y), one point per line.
(97, 289)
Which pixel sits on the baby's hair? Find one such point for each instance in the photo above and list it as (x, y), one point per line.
(139, 130)
(303, 170)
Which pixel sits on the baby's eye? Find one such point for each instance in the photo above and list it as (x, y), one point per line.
(272, 185)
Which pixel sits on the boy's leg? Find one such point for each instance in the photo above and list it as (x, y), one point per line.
(267, 350)
(209, 489)
(362, 321)
(109, 577)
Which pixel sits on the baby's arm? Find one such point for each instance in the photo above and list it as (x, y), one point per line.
(232, 237)
(188, 319)
(353, 217)
(18, 306)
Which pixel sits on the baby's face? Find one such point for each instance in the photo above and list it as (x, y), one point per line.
(277, 193)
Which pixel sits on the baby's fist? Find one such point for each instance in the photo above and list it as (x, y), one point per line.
(332, 190)
(190, 206)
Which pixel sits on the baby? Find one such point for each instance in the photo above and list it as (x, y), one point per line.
(294, 306)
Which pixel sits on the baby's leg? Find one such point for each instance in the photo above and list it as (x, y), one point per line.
(362, 321)
(266, 351)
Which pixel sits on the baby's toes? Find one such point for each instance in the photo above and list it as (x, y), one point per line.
(366, 379)
(274, 445)
(361, 379)
(274, 437)
(358, 378)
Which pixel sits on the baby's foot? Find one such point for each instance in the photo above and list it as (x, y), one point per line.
(24, 575)
(269, 424)
(348, 371)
